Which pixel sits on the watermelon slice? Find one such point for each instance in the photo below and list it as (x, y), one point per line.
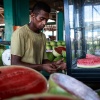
(91, 61)
(58, 51)
(20, 80)
(71, 85)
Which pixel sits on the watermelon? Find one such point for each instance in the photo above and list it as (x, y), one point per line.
(48, 47)
(54, 47)
(58, 58)
(59, 43)
(63, 43)
(1, 51)
(42, 97)
(52, 43)
(20, 80)
(2, 48)
(58, 51)
(50, 56)
(64, 84)
(63, 53)
(47, 43)
(91, 61)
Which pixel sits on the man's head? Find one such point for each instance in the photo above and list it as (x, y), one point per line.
(41, 6)
(40, 15)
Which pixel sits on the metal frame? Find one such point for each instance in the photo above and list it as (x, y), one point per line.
(83, 74)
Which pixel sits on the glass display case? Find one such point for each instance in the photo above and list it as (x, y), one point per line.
(82, 29)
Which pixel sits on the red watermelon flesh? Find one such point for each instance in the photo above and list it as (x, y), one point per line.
(74, 86)
(60, 49)
(90, 56)
(91, 61)
(20, 80)
(42, 97)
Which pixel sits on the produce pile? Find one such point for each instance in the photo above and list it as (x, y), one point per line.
(23, 83)
(50, 45)
(56, 50)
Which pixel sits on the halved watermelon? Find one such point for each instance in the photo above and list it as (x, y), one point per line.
(91, 61)
(20, 80)
(58, 51)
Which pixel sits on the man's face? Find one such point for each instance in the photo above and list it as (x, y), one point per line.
(39, 20)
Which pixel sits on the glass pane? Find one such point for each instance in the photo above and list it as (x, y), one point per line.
(92, 28)
(71, 16)
(71, 22)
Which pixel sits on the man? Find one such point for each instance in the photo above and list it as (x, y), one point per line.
(28, 43)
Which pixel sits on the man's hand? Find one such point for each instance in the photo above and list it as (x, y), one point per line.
(55, 66)
(49, 68)
(60, 64)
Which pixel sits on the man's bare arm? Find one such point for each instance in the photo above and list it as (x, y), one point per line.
(16, 60)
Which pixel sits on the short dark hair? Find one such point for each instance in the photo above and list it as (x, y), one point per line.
(41, 6)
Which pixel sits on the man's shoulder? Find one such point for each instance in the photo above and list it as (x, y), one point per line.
(44, 35)
(20, 30)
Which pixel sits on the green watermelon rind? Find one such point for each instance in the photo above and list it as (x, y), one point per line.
(55, 89)
(55, 53)
(88, 66)
(43, 96)
(50, 56)
(63, 53)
